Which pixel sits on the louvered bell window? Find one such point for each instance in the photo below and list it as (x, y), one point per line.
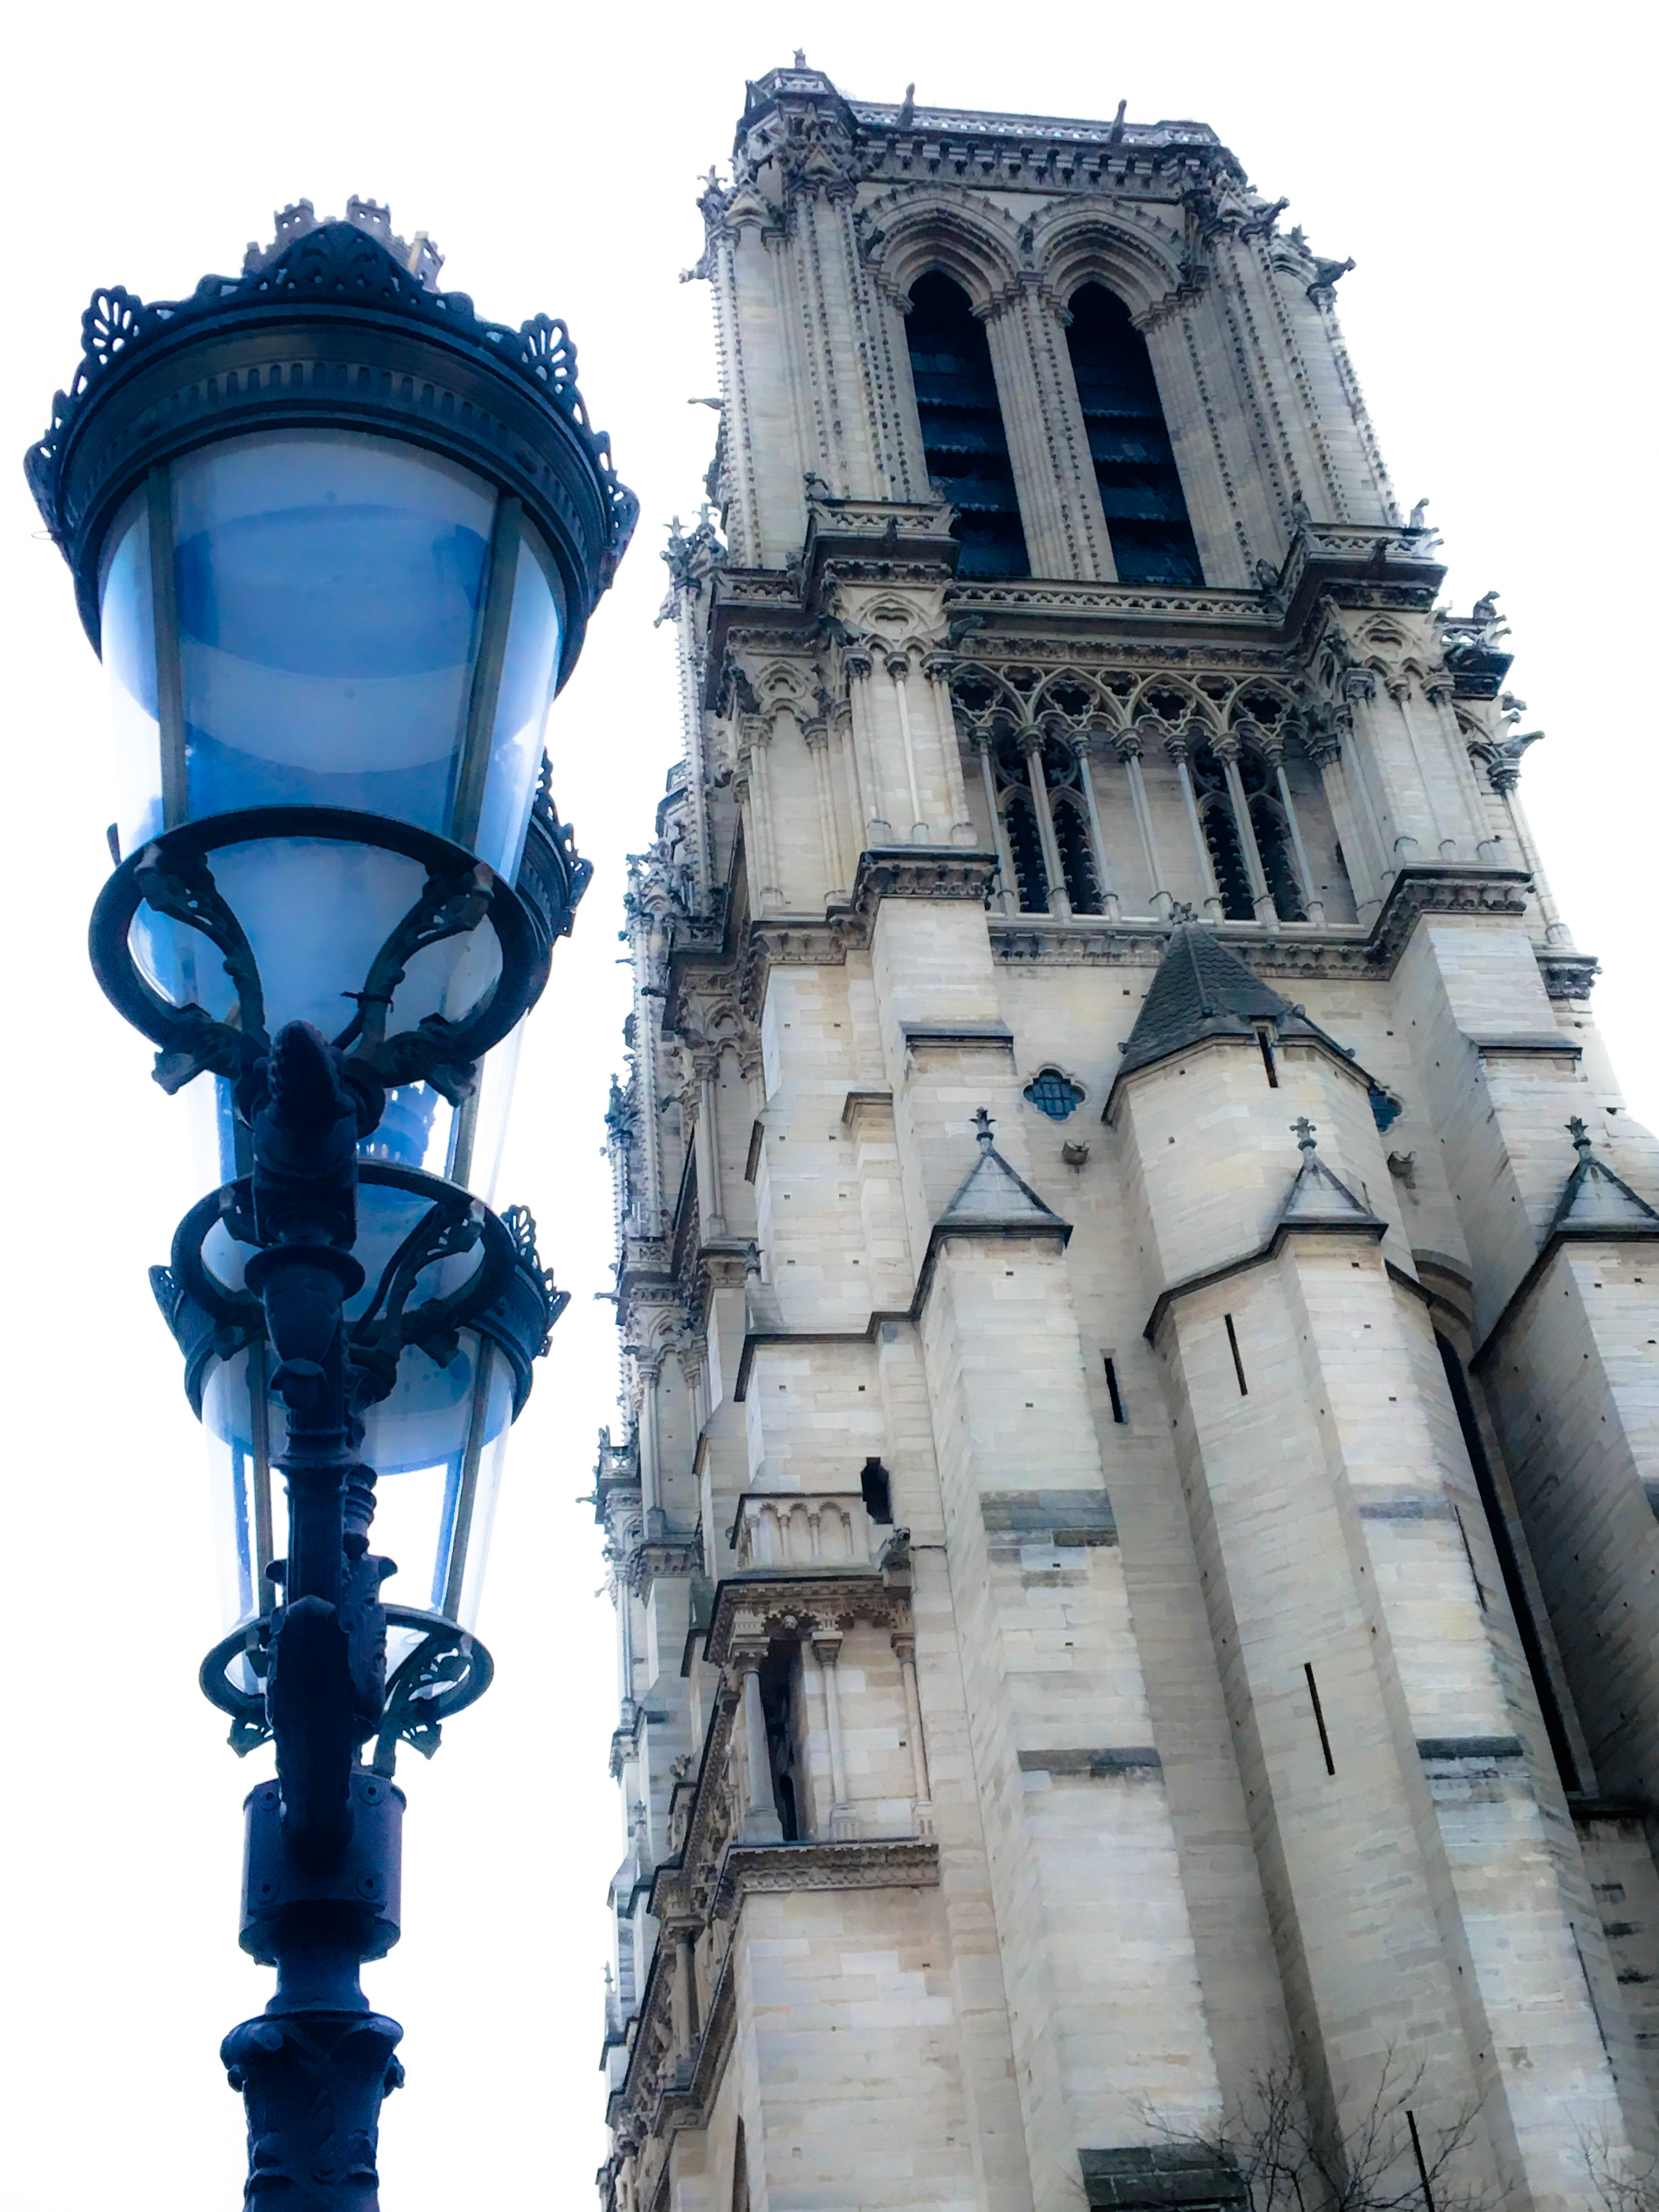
(963, 440)
(1129, 444)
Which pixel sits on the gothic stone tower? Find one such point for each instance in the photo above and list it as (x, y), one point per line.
(1134, 1541)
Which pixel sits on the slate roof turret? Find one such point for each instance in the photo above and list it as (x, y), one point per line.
(1202, 990)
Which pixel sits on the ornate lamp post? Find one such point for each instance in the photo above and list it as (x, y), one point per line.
(337, 541)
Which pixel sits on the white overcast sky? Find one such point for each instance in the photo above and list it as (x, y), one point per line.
(1487, 167)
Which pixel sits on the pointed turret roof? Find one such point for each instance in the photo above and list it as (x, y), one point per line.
(991, 1195)
(1202, 989)
(1596, 1198)
(1318, 1198)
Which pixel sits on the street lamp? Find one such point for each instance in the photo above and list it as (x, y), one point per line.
(337, 540)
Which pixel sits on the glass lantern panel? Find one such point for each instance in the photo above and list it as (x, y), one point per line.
(451, 978)
(483, 1124)
(472, 1530)
(438, 1448)
(329, 586)
(408, 1529)
(529, 672)
(217, 1144)
(250, 1504)
(315, 912)
(421, 1424)
(127, 624)
(385, 1217)
(185, 967)
(415, 1130)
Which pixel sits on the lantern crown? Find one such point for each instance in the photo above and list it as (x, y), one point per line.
(338, 325)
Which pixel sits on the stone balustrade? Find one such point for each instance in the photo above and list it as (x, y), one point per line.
(785, 1529)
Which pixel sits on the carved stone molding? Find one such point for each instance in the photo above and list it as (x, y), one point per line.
(796, 943)
(780, 1603)
(1091, 944)
(1358, 568)
(1416, 892)
(662, 1555)
(1568, 975)
(1067, 603)
(926, 871)
(901, 1862)
(1334, 955)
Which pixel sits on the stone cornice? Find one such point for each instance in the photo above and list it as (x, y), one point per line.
(662, 1555)
(1029, 132)
(925, 871)
(807, 940)
(895, 1863)
(1568, 975)
(779, 1598)
(794, 941)
(1343, 564)
(841, 530)
(1338, 954)
(1441, 888)
(921, 871)
(1324, 556)
(987, 146)
(1369, 565)
(1114, 611)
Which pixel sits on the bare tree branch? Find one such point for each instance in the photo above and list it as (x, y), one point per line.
(1619, 2184)
(1284, 2162)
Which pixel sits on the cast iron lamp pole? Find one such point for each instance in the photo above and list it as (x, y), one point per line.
(322, 1851)
(337, 540)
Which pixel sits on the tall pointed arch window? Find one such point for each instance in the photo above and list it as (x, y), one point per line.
(1061, 799)
(1269, 829)
(1129, 444)
(1063, 771)
(964, 443)
(1020, 821)
(1215, 814)
(1272, 842)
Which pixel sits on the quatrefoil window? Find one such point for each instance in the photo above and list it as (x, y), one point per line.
(1054, 1094)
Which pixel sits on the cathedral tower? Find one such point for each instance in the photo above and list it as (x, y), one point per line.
(1134, 1541)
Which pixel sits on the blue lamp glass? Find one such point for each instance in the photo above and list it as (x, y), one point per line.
(326, 619)
(452, 1380)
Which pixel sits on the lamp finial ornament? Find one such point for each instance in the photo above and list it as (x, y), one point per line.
(1304, 1130)
(1581, 1136)
(983, 1126)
